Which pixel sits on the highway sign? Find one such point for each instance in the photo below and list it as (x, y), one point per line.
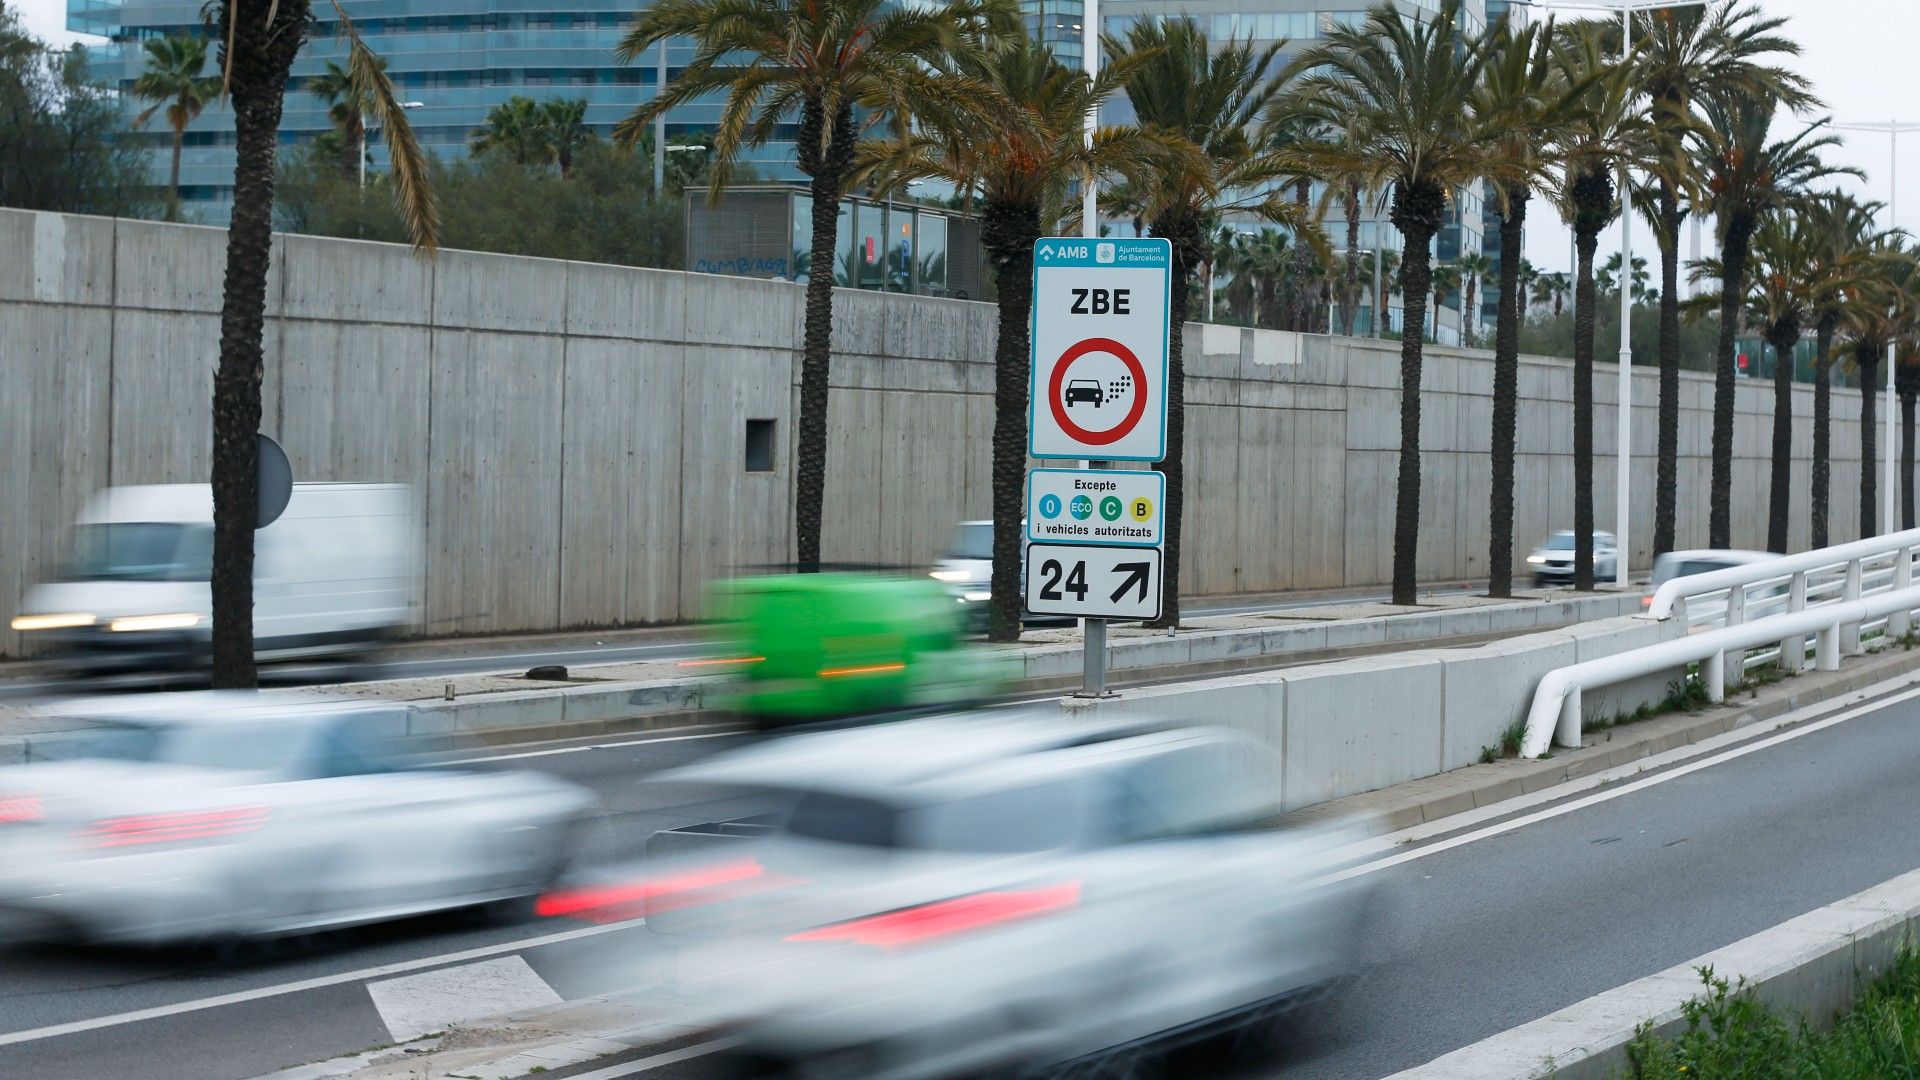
(1099, 369)
(1095, 506)
(1093, 582)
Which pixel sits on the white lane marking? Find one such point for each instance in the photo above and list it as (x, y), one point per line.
(413, 1005)
(1525, 820)
(54, 1031)
(589, 746)
(648, 1064)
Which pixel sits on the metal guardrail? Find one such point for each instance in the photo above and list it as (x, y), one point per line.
(1791, 583)
(1835, 627)
(1747, 615)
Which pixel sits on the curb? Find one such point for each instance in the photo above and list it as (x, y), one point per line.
(1813, 965)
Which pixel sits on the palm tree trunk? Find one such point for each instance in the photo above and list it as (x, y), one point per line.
(1732, 288)
(1868, 360)
(1583, 332)
(1781, 480)
(262, 56)
(825, 158)
(1350, 281)
(1506, 397)
(1906, 460)
(1010, 230)
(1417, 211)
(1822, 430)
(1302, 315)
(1182, 227)
(1467, 312)
(1666, 482)
(173, 175)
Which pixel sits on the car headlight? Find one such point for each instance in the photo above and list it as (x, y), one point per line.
(135, 623)
(976, 597)
(951, 577)
(64, 620)
(1536, 559)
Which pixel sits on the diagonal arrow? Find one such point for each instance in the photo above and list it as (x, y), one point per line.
(1136, 575)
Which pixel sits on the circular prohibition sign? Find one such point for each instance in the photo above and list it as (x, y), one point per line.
(1127, 423)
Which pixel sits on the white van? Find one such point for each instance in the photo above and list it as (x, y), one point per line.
(334, 577)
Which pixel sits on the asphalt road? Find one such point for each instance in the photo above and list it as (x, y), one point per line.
(481, 656)
(1523, 921)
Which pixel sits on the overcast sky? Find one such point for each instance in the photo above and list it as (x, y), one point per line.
(1858, 54)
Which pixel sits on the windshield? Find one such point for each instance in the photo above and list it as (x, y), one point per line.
(144, 551)
(262, 746)
(971, 542)
(1560, 542)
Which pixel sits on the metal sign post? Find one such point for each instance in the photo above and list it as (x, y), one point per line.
(1098, 393)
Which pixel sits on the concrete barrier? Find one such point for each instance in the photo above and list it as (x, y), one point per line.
(1370, 722)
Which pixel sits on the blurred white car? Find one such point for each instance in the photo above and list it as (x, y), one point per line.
(1552, 562)
(1710, 609)
(967, 896)
(221, 815)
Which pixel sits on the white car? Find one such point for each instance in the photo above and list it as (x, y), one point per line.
(228, 815)
(990, 894)
(1711, 609)
(1552, 562)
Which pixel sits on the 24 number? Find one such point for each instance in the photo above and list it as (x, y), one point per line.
(1050, 571)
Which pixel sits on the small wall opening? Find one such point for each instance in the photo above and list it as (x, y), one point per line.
(760, 445)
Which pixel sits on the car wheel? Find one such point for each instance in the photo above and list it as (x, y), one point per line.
(543, 875)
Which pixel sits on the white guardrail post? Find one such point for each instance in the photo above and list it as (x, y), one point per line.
(1735, 662)
(1850, 634)
(1899, 623)
(1793, 649)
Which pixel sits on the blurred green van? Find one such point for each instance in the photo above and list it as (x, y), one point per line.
(807, 647)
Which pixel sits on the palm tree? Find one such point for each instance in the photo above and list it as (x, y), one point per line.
(348, 110)
(1552, 290)
(1777, 302)
(1605, 132)
(837, 67)
(1444, 280)
(1015, 140)
(1746, 176)
(256, 54)
(1906, 384)
(517, 128)
(1882, 312)
(1473, 268)
(1680, 55)
(1403, 90)
(1387, 287)
(1844, 232)
(173, 81)
(1526, 278)
(1521, 100)
(1214, 100)
(564, 125)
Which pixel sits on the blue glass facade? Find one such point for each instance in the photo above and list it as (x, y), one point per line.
(457, 58)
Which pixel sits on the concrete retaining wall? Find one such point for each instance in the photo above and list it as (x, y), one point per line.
(576, 431)
(1357, 725)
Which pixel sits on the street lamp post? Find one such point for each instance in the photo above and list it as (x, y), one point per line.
(1623, 411)
(1893, 129)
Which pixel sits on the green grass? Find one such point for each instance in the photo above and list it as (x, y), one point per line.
(1731, 1035)
(1686, 694)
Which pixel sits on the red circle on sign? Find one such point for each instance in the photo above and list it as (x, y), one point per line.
(1058, 405)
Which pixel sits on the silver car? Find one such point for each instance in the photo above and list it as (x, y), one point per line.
(229, 815)
(973, 895)
(1552, 562)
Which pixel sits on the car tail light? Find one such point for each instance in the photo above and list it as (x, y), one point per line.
(1646, 602)
(633, 899)
(171, 827)
(20, 807)
(943, 918)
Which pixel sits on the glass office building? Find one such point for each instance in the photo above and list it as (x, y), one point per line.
(1301, 23)
(456, 58)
